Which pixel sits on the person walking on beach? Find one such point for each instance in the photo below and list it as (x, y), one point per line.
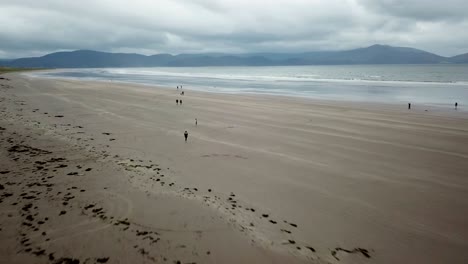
(409, 105)
(456, 105)
(186, 135)
(180, 101)
(196, 122)
(177, 101)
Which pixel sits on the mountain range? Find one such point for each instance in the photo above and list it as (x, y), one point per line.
(376, 54)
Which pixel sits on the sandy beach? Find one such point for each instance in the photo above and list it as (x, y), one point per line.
(99, 172)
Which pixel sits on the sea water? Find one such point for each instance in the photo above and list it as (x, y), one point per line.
(437, 85)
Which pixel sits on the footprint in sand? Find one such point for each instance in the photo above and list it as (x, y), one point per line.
(363, 251)
(310, 248)
(102, 260)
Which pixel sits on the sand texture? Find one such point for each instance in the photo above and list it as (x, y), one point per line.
(99, 172)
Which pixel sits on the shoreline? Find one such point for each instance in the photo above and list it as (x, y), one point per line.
(292, 95)
(284, 179)
(392, 106)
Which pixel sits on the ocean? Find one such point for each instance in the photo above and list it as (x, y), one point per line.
(436, 85)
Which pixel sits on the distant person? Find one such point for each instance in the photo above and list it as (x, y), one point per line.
(177, 101)
(186, 135)
(409, 105)
(182, 93)
(196, 122)
(456, 105)
(177, 87)
(180, 101)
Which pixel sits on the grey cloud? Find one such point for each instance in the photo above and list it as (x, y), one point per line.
(420, 10)
(31, 27)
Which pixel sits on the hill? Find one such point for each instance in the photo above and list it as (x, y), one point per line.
(376, 54)
(462, 58)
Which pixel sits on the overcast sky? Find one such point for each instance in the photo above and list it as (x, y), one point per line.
(37, 27)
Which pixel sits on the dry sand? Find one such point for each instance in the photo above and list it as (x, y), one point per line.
(99, 172)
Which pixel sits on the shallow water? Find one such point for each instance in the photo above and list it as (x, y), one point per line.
(437, 85)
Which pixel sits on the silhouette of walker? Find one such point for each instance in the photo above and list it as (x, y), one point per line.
(186, 135)
(196, 121)
(409, 105)
(177, 101)
(180, 101)
(456, 105)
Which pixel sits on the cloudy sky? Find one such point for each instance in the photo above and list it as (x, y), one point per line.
(37, 27)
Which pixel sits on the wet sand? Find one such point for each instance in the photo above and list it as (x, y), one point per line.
(260, 179)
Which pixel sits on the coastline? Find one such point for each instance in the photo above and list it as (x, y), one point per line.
(306, 164)
(428, 94)
(392, 106)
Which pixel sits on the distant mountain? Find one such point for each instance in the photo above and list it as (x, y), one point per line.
(82, 59)
(376, 54)
(462, 58)
(96, 59)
